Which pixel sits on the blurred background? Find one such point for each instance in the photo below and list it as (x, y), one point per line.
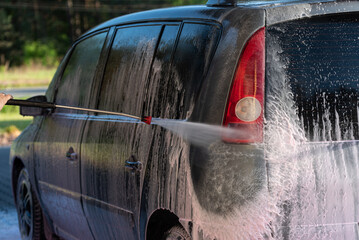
(34, 37)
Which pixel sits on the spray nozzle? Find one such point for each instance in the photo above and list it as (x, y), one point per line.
(147, 120)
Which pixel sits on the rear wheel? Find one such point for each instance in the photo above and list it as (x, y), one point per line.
(176, 233)
(28, 209)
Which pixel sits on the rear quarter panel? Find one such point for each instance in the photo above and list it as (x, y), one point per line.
(227, 182)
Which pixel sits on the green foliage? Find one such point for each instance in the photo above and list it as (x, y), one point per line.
(26, 76)
(6, 28)
(9, 41)
(9, 109)
(49, 27)
(11, 129)
(11, 120)
(17, 120)
(44, 54)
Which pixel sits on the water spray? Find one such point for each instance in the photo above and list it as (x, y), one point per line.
(199, 134)
(27, 103)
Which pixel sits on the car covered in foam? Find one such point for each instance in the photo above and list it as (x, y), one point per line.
(255, 108)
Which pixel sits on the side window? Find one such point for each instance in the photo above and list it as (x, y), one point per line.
(191, 61)
(174, 85)
(159, 86)
(194, 53)
(74, 87)
(127, 69)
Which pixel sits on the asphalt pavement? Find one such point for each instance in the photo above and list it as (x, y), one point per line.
(6, 199)
(9, 229)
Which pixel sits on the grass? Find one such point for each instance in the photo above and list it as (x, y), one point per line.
(26, 76)
(11, 122)
(10, 116)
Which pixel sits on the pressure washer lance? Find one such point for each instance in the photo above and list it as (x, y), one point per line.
(26, 103)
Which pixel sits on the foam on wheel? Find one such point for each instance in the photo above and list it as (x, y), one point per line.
(176, 233)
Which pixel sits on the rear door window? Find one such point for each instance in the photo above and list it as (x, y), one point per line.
(159, 84)
(127, 69)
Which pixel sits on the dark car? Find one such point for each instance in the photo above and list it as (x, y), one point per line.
(254, 131)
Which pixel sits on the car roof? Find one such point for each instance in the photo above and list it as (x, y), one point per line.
(200, 12)
(276, 11)
(277, 3)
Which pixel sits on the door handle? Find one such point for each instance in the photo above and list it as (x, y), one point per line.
(133, 165)
(71, 155)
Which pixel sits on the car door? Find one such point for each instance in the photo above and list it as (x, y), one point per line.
(112, 193)
(152, 70)
(57, 145)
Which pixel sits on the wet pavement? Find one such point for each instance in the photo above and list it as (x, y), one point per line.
(6, 199)
(8, 219)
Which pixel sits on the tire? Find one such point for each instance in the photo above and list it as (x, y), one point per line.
(28, 209)
(176, 233)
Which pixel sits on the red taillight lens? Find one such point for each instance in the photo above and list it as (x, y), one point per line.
(245, 103)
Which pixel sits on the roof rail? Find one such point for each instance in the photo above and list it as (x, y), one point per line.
(222, 3)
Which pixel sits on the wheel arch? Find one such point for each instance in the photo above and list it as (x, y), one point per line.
(17, 166)
(159, 222)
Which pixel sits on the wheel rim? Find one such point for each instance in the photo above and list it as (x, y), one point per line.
(25, 206)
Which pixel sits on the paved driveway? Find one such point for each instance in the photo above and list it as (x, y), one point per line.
(6, 200)
(8, 218)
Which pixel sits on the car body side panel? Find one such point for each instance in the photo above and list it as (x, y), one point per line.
(217, 190)
(22, 149)
(168, 92)
(58, 177)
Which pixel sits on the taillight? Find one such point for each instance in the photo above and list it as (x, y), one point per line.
(244, 111)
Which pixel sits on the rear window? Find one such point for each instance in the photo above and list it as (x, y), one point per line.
(321, 63)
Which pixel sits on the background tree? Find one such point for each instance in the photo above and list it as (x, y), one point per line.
(10, 43)
(38, 30)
